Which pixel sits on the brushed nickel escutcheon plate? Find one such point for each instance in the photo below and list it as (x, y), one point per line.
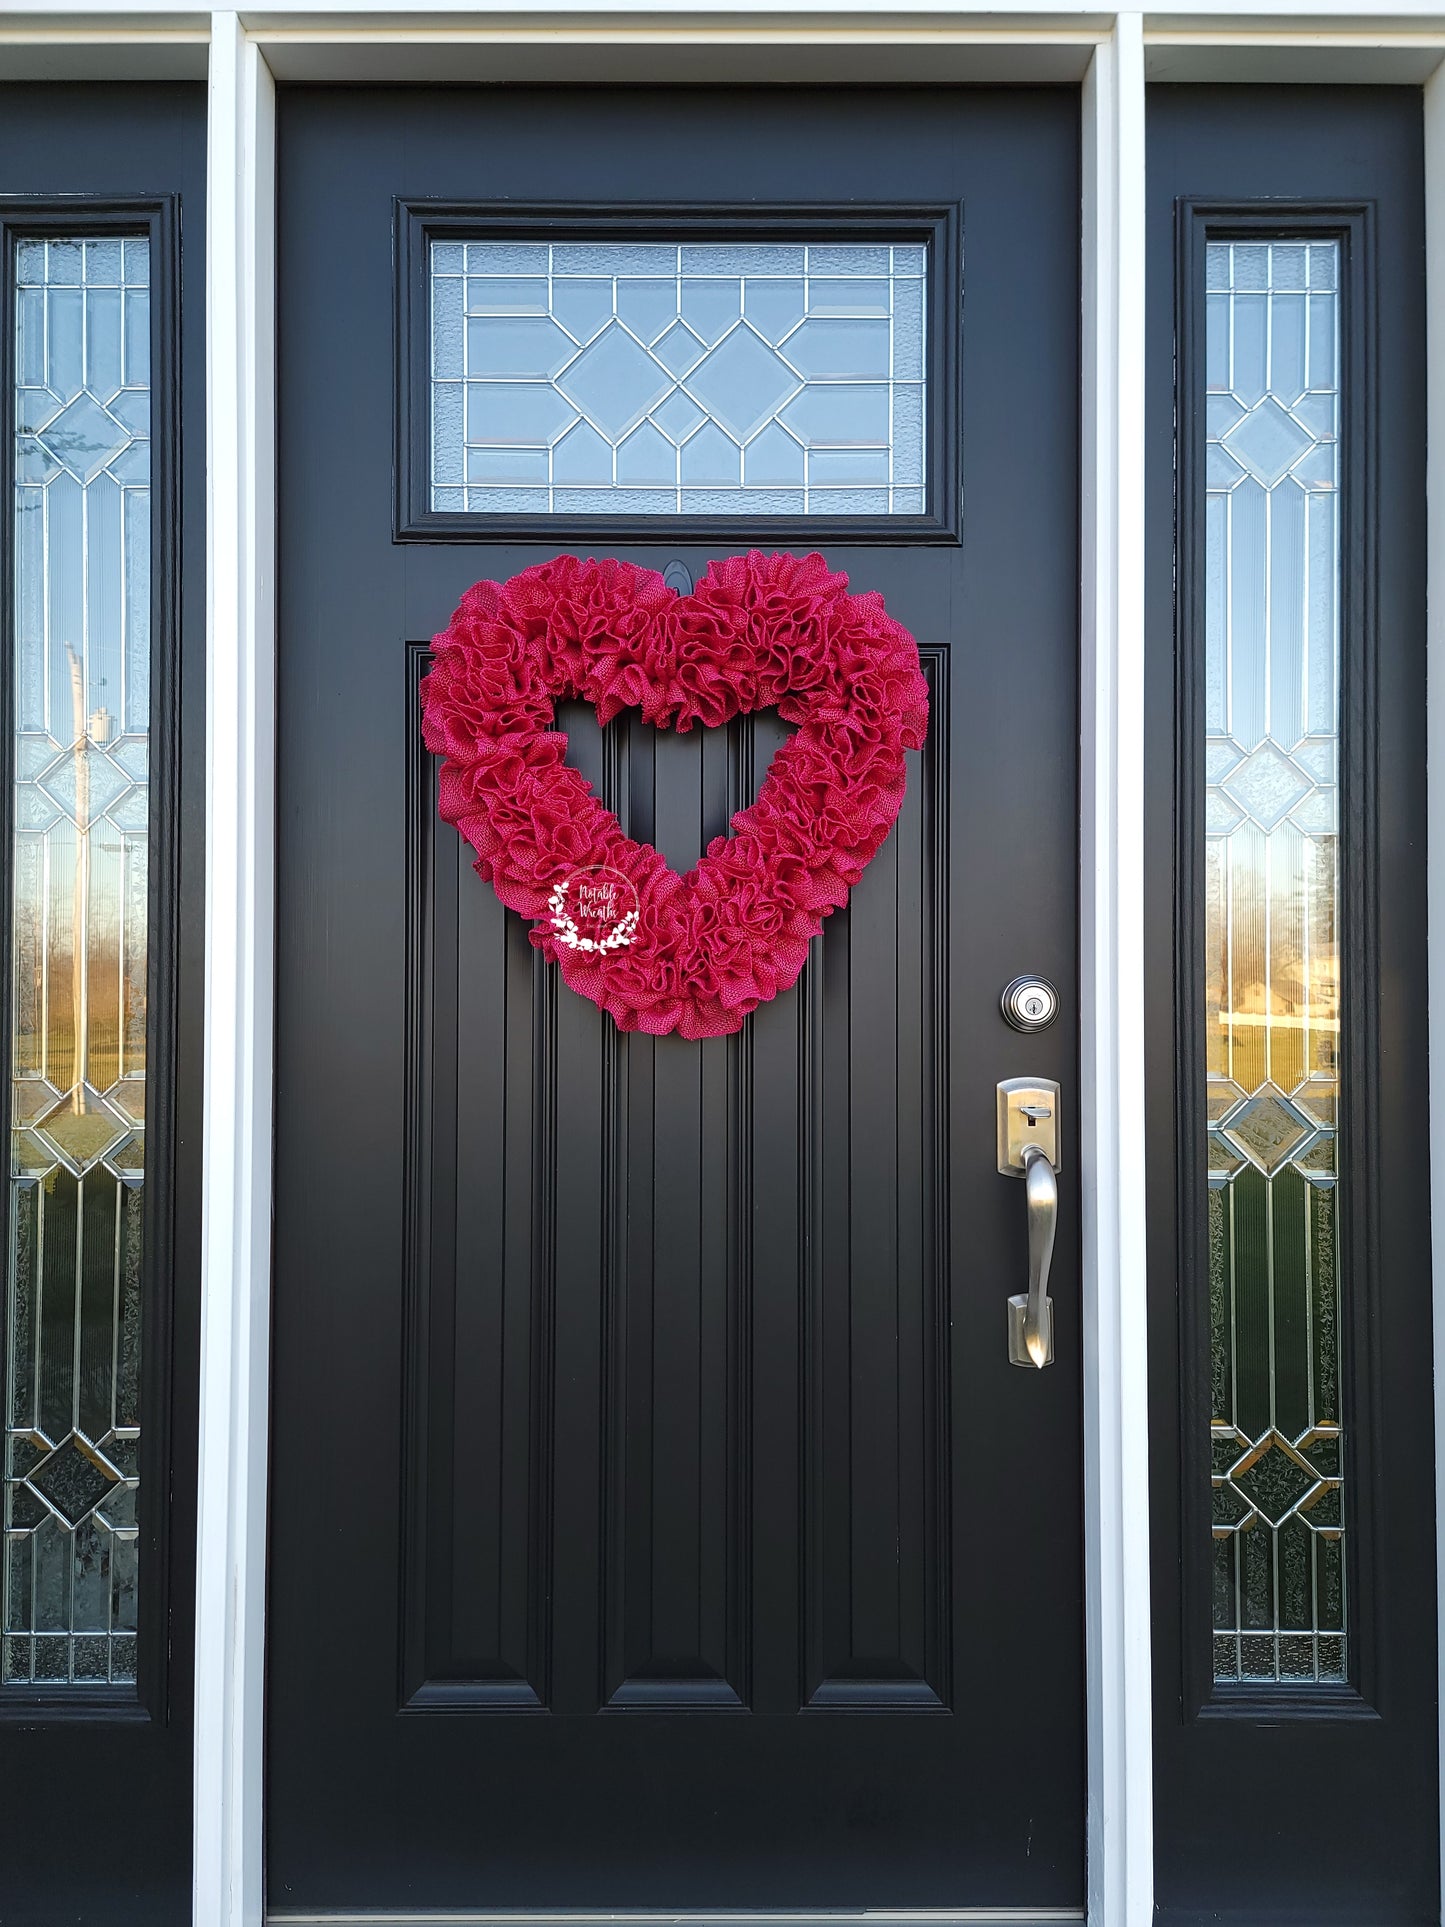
(1028, 1148)
(1028, 1113)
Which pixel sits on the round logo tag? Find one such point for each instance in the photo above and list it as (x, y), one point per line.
(594, 909)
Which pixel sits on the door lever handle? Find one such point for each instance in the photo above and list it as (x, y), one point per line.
(1028, 1147)
(1031, 1315)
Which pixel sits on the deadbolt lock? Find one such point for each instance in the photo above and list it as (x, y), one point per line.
(1029, 1003)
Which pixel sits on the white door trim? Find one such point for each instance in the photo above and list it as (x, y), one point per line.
(240, 975)
(1111, 1029)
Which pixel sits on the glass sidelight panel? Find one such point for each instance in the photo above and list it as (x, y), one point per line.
(80, 521)
(1272, 956)
(617, 378)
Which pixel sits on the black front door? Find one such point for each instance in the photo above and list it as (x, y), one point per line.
(656, 1518)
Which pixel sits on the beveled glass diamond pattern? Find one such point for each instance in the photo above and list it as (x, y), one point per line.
(1268, 442)
(1220, 757)
(31, 1098)
(742, 384)
(678, 417)
(127, 1160)
(1221, 1097)
(128, 1097)
(613, 377)
(1230, 1507)
(119, 1513)
(81, 1129)
(74, 1479)
(1267, 1129)
(132, 754)
(1267, 784)
(1274, 1479)
(79, 544)
(1221, 813)
(1322, 1450)
(1318, 1099)
(85, 783)
(29, 1156)
(614, 382)
(34, 463)
(1224, 1160)
(1270, 555)
(679, 349)
(84, 437)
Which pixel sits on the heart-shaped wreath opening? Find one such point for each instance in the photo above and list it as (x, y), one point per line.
(692, 953)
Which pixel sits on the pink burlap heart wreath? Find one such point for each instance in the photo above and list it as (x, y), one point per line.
(658, 951)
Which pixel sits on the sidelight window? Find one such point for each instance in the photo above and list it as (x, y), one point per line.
(1272, 956)
(79, 946)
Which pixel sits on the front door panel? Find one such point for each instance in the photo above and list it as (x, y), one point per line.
(656, 1518)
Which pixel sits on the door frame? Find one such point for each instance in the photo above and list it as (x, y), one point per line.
(1111, 56)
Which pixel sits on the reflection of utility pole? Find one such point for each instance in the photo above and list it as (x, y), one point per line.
(79, 961)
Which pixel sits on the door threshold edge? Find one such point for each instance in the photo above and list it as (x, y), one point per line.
(735, 1917)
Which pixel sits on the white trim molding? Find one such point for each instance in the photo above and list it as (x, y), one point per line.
(1111, 945)
(240, 973)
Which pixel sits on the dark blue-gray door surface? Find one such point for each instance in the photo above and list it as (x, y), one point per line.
(656, 1519)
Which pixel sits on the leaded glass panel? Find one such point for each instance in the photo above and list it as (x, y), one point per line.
(617, 378)
(81, 526)
(1272, 956)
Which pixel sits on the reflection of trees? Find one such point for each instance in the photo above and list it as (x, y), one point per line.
(29, 975)
(80, 991)
(1272, 967)
(80, 897)
(80, 915)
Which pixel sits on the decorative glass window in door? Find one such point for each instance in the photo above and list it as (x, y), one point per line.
(1272, 955)
(80, 526)
(643, 378)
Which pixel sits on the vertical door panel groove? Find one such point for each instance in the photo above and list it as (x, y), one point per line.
(875, 1318)
(482, 1084)
(676, 1386)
